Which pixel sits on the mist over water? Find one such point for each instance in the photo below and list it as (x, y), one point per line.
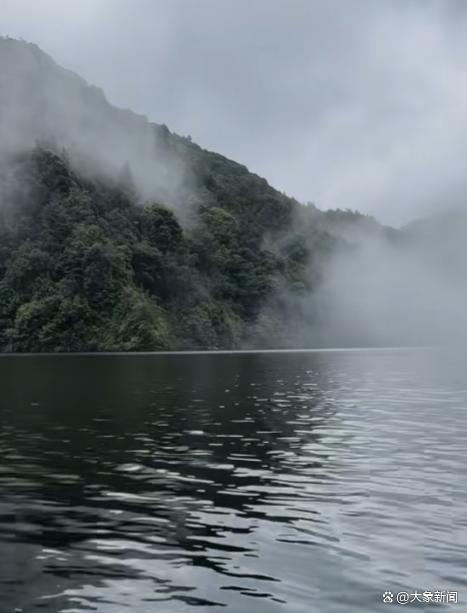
(404, 287)
(272, 482)
(385, 294)
(407, 289)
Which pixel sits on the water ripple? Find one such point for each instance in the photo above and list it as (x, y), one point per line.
(283, 482)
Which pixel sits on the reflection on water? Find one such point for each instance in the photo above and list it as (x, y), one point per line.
(267, 482)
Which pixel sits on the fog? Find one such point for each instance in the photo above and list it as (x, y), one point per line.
(387, 295)
(355, 103)
(43, 103)
(392, 145)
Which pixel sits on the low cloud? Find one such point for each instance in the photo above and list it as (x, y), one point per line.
(348, 104)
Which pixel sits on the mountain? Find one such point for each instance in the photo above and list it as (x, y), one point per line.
(116, 234)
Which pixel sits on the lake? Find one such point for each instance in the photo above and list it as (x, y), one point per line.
(238, 482)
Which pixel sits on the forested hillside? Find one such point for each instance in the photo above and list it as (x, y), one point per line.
(84, 266)
(147, 242)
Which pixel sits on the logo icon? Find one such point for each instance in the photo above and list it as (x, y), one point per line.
(388, 597)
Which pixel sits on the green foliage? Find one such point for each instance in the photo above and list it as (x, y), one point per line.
(137, 324)
(85, 267)
(159, 228)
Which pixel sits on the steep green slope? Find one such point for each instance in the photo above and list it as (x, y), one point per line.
(116, 234)
(84, 267)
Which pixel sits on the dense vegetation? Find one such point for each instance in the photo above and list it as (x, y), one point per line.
(84, 266)
(119, 235)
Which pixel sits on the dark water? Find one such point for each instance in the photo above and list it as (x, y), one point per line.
(247, 483)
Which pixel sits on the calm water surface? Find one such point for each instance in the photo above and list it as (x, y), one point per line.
(286, 482)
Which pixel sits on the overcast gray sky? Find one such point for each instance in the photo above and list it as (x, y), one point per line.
(346, 103)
